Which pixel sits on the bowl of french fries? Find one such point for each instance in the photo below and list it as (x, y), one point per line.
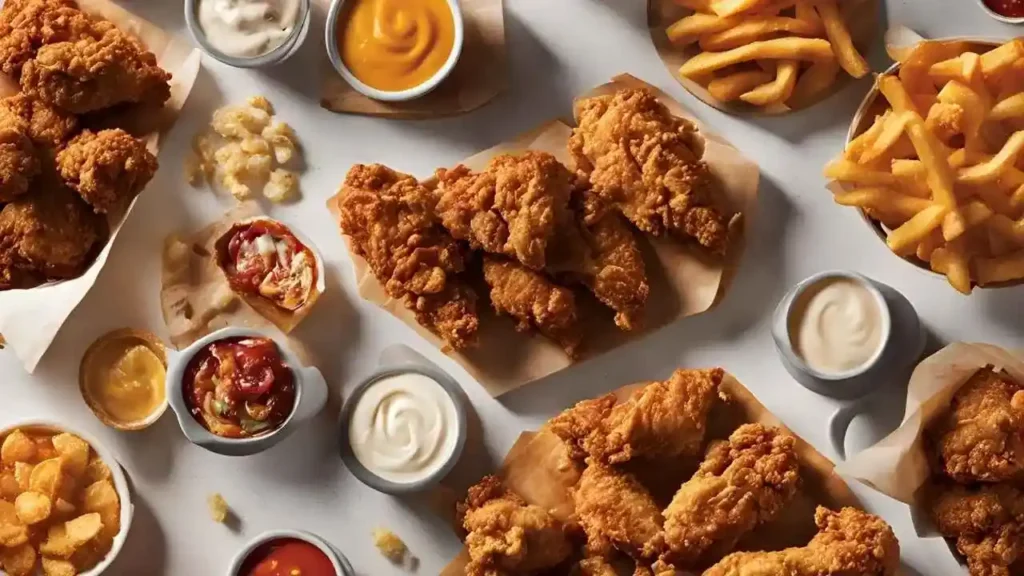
(763, 56)
(933, 160)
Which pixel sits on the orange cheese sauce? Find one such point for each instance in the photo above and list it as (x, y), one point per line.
(395, 45)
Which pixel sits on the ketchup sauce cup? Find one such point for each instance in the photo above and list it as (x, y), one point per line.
(310, 396)
(338, 561)
(1009, 11)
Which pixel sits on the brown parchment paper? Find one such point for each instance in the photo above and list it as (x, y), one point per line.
(532, 469)
(30, 319)
(479, 76)
(684, 280)
(861, 17)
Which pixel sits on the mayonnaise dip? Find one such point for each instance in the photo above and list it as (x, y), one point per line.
(247, 28)
(404, 428)
(835, 325)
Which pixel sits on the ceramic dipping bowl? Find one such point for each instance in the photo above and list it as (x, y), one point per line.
(276, 56)
(341, 565)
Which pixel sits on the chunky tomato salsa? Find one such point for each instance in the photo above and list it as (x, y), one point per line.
(287, 557)
(239, 387)
(264, 258)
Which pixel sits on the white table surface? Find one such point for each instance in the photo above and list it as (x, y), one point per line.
(556, 49)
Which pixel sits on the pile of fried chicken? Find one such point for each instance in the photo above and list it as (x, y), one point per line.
(742, 482)
(58, 178)
(977, 497)
(535, 230)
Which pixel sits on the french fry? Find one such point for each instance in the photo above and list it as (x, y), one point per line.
(1011, 107)
(883, 200)
(894, 127)
(894, 91)
(1008, 229)
(1002, 58)
(778, 90)
(858, 145)
(932, 153)
(994, 168)
(951, 261)
(695, 5)
(729, 88)
(974, 214)
(809, 49)
(756, 28)
(846, 53)
(913, 176)
(904, 239)
(1017, 198)
(1000, 269)
(731, 7)
(846, 171)
(689, 29)
(813, 82)
(804, 10)
(927, 246)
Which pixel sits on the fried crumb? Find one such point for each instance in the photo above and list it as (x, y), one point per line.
(282, 185)
(261, 103)
(282, 137)
(218, 507)
(390, 545)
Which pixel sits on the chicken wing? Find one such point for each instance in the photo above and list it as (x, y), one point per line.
(19, 163)
(646, 162)
(28, 25)
(535, 301)
(848, 543)
(512, 208)
(741, 483)
(108, 169)
(661, 420)
(981, 437)
(390, 220)
(506, 536)
(47, 126)
(616, 512)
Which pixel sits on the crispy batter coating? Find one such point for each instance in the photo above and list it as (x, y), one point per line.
(849, 542)
(390, 220)
(741, 483)
(993, 553)
(617, 512)
(981, 437)
(987, 521)
(647, 163)
(512, 208)
(47, 126)
(661, 420)
(534, 301)
(19, 163)
(507, 536)
(107, 168)
(28, 25)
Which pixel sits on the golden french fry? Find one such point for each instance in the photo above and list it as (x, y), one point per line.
(894, 127)
(903, 239)
(842, 44)
(858, 145)
(935, 158)
(913, 176)
(755, 28)
(1002, 58)
(915, 68)
(991, 170)
(1017, 198)
(731, 7)
(792, 48)
(729, 88)
(778, 90)
(927, 246)
(883, 200)
(847, 171)
(695, 5)
(805, 11)
(1012, 107)
(1001, 268)
(1008, 229)
(894, 91)
(689, 29)
(814, 81)
(951, 261)
(974, 213)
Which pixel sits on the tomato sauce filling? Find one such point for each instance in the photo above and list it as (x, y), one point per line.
(287, 557)
(1008, 8)
(265, 259)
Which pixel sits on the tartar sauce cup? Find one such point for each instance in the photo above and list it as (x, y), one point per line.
(341, 565)
(273, 57)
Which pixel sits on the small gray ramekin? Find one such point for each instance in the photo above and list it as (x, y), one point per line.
(338, 561)
(276, 56)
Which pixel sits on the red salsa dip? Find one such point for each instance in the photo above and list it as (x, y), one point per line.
(239, 387)
(287, 557)
(1008, 8)
(263, 258)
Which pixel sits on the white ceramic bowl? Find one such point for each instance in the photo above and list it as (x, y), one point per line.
(338, 560)
(287, 48)
(334, 53)
(310, 397)
(116, 474)
(998, 16)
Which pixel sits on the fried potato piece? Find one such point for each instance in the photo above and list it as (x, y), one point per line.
(55, 567)
(73, 451)
(84, 528)
(17, 447)
(33, 507)
(18, 560)
(46, 477)
(12, 531)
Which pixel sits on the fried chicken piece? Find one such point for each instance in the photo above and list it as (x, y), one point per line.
(661, 420)
(19, 163)
(107, 168)
(987, 522)
(617, 512)
(993, 553)
(741, 483)
(512, 208)
(507, 536)
(389, 217)
(981, 437)
(28, 25)
(646, 162)
(850, 542)
(94, 74)
(534, 301)
(47, 126)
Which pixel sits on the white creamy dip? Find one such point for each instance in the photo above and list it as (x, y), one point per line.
(247, 28)
(404, 428)
(835, 325)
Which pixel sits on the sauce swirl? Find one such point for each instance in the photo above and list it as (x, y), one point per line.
(835, 325)
(247, 28)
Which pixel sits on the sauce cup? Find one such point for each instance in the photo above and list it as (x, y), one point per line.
(998, 16)
(276, 56)
(310, 397)
(334, 16)
(338, 561)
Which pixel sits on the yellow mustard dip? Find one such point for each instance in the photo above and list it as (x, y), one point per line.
(126, 381)
(394, 45)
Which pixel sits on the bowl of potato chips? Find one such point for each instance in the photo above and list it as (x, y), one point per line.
(65, 507)
(933, 160)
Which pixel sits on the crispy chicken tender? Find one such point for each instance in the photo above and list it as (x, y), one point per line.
(47, 126)
(107, 168)
(512, 208)
(507, 536)
(389, 217)
(617, 512)
(741, 483)
(981, 437)
(94, 74)
(662, 420)
(28, 25)
(19, 163)
(849, 542)
(987, 521)
(993, 553)
(534, 301)
(646, 162)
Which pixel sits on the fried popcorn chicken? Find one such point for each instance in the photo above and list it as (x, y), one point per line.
(616, 511)
(848, 542)
(533, 301)
(389, 217)
(506, 535)
(47, 126)
(19, 163)
(108, 169)
(646, 163)
(661, 420)
(741, 483)
(28, 25)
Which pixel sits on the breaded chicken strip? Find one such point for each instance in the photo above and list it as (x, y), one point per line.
(617, 512)
(661, 420)
(993, 553)
(987, 521)
(981, 436)
(506, 536)
(28, 25)
(107, 168)
(47, 126)
(19, 163)
(850, 542)
(741, 483)
(534, 301)
(512, 208)
(646, 162)
(390, 220)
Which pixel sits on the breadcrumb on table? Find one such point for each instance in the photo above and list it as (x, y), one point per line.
(390, 545)
(218, 507)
